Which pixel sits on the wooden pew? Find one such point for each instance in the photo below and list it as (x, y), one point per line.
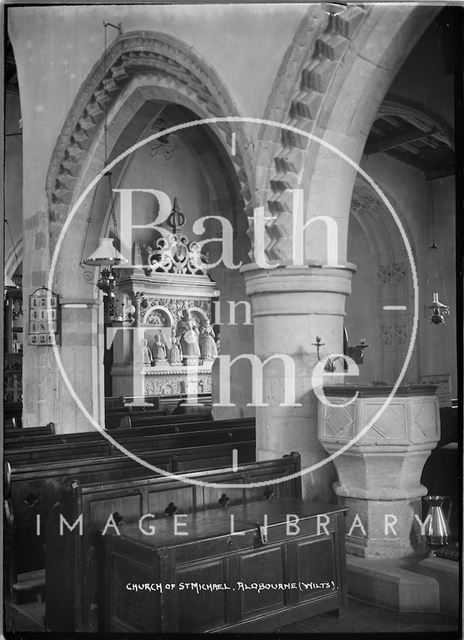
(171, 402)
(153, 400)
(167, 426)
(99, 447)
(36, 488)
(449, 425)
(120, 435)
(112, 402)
(12, 410)
(75, 563)
(138, 421)
(15, 433)
(113, 418)
(50, 453)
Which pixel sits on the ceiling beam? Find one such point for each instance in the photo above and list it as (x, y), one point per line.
(390, 142)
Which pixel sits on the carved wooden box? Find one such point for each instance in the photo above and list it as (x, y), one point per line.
(248, 568)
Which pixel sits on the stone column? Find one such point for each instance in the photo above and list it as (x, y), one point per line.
(379, 475)
(290, 307)
(81, 353)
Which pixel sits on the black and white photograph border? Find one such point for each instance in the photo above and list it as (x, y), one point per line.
(232, 356)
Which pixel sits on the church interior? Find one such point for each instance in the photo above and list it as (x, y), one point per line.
(231, 318)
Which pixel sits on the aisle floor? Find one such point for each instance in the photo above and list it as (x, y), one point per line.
(361, 617)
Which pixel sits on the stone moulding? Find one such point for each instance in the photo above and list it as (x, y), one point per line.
(136, 53)
(297, 98)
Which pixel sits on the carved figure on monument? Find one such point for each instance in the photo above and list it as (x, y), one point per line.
(159, 350)
(188, 333)
(147, 354)
(175, 353)
(207, 342)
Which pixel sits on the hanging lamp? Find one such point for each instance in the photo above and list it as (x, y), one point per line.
(437, 311)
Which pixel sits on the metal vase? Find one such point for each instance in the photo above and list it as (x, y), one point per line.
(436, 526)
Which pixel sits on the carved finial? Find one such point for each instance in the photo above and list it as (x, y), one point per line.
(176, 218)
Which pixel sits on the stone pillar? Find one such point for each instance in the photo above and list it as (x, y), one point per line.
(379, 475)
(81, 353)
(290, 307)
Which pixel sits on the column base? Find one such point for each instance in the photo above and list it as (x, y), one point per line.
(382, 528)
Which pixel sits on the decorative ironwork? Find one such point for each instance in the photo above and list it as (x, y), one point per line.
(174, 253)
(436, 312)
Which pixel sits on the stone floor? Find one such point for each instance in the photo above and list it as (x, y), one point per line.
(370, 619)
(361, 618)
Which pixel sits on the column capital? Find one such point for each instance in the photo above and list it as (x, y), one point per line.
(281, 290)
(310, 277)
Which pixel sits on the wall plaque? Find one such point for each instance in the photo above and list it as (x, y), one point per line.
(43, 317)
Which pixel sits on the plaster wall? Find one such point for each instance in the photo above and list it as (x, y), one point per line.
(361, 306)
(411, 196)
(438, 348)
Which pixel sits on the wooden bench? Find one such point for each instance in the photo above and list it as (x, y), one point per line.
(449, 425)
(12, 410)
(36, 488)
(113, 402)
(169, 426)
(15, 433)
(171, 402)
(51, 453)
(87, 447)
(75, 563)
(138, 421)
(153, 400)
(114, 416)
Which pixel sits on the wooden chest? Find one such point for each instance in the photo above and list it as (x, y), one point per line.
(253, 567)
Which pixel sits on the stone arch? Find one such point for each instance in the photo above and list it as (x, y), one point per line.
(143, 58)
(138, 67)
(337, 88)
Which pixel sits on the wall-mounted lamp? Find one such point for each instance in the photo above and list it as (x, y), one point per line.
(355, 353)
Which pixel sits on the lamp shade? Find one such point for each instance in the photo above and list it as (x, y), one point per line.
(8, 284)
(106, 254)
(333, 8)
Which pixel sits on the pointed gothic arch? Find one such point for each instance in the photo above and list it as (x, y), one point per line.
(165, 67)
